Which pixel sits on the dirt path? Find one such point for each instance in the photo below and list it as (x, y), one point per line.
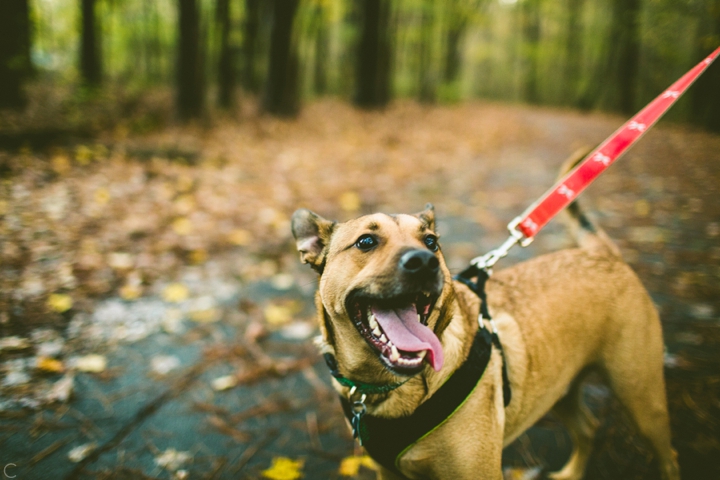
(174, 253)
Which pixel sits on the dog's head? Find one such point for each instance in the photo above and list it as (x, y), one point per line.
(382, 290)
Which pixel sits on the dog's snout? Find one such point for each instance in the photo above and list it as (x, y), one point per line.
(419, 261)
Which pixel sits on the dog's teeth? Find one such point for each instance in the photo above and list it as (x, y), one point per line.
(383, 338)
(422, 354)
(394, 354)
(419, 318)
(371, 320)
(376, 331)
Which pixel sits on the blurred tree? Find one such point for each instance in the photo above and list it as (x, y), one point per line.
(373, 74)
(190, 77)
(226, 61)
(320, 78)
(282, 93)
(573, 49)
(706, 92)
(15, 64)
(90, 61)
(623, 56)
(251, 80)
(530, 20)
(427, 93)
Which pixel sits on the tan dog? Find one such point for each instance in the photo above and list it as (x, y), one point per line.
(389, 310)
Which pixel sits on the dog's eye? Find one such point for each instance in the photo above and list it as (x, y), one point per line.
(366, 242)
(431, 242)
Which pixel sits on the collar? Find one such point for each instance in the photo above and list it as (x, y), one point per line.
(387, 439)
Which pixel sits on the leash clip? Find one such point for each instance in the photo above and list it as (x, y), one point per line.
(359, 409)
(487, 261)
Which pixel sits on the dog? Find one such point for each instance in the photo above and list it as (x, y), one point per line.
(391, 315)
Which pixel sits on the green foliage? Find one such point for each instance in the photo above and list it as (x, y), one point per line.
(443, 50)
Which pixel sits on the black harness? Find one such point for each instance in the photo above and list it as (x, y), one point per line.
(387, 439)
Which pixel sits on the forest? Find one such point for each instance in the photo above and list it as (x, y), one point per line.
(155, 318)
(611, 55)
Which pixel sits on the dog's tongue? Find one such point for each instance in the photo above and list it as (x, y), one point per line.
(405, 331)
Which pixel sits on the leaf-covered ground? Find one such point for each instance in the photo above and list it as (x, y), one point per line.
(155, 320)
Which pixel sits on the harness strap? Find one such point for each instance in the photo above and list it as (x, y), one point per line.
(478, 288)
(387, 439)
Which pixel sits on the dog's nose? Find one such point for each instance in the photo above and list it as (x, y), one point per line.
(419, 261)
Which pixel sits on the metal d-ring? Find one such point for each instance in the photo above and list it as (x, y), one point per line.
(359, 409)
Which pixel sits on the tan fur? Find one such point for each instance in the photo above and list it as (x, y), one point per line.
(559, 315)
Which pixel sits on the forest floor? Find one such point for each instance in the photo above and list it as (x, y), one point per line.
(155, 321)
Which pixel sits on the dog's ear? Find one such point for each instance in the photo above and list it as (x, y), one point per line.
(312, 233)
(427, 216)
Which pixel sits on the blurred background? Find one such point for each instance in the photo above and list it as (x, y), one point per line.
(155, 321)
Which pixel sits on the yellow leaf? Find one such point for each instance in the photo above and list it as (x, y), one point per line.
(350, 202)
(198, 256)
(175, 293)
(83, 155)
(350, 466)
(91, 363)
(59, 302)
(207, 315)
(240, 237)
(182, 226)
(102, 196)
(60, 164)
(278, 314)
(283, 468)
(130, 292)
(47, 364)
(642, 208)
(368, 462)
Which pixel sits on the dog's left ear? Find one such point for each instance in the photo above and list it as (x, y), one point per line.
(312, 233)
(427, 216)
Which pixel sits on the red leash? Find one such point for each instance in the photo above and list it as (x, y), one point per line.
(524, 228)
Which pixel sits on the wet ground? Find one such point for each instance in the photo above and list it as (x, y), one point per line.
(172, 338)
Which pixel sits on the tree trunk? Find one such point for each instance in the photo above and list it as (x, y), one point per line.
(281, 90)
(706, 92)
(90, 63)
(573, 49)
(373, 68)
(226, 64)
(624, 55)
(453, 57)
(190, 92)
(428, 82)
(15, 63)
(531, 43)
(321, 53)
(251, 81)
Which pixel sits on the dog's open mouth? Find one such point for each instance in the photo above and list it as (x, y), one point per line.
(397, 329)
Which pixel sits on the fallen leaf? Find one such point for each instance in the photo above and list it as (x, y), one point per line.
(278, 314)
(61, 390)
(14, 343)
(164, 364)
(175, 293)
(208, 315)
(102, 196)
(78, 454)
(172, 459)
(224, 383)
(240, 237)
(59, 302)
(182, 226)
(50, 365)
(284, 468)
(92, 363)
(130, 292)
(198, 256)
(350, 202)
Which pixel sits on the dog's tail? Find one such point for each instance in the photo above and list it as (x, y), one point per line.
(587, 234)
